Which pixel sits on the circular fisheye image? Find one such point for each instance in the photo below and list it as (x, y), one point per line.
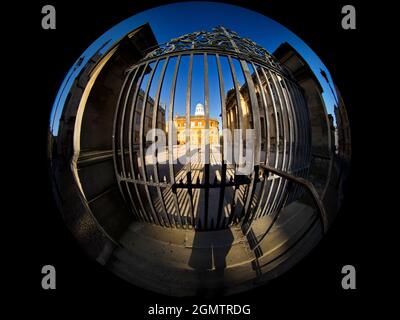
(196, 154)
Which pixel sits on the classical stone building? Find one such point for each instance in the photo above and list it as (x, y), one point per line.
(330, 132)
(197, 128)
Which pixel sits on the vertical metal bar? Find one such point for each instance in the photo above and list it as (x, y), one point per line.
(124, 91)
(277, 133)
(142, 143)
(307, 122)
(121, 132)
(255, 112)
(285, 119)
(188, 137)
(239, 119)
(291, 123)
(170, 139)
(121, 140)
(149, 218)
(304, 105)
(299, 138)
(115, 141)
(224, 126)
(207, 142)
(301, 123)
(307, 131)
(295, 134)
(280, 194)
(266, 117)
(280, 189)
(290, 120)
(304, 124)
(154, 126)
(265, 109)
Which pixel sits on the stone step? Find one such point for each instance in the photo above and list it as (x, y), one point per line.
(184, 259)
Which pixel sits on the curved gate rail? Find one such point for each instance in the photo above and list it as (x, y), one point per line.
(253, 92)
(309, 187)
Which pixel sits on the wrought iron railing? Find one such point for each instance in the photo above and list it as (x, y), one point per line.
(308, 187)
(253, 92)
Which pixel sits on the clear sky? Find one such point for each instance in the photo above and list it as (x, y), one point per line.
(174, 20)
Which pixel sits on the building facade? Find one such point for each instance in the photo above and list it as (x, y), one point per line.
(197, 133)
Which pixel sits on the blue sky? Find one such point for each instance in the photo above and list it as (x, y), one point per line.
(173, 20)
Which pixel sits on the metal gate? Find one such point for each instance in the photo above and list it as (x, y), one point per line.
(197, 90)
